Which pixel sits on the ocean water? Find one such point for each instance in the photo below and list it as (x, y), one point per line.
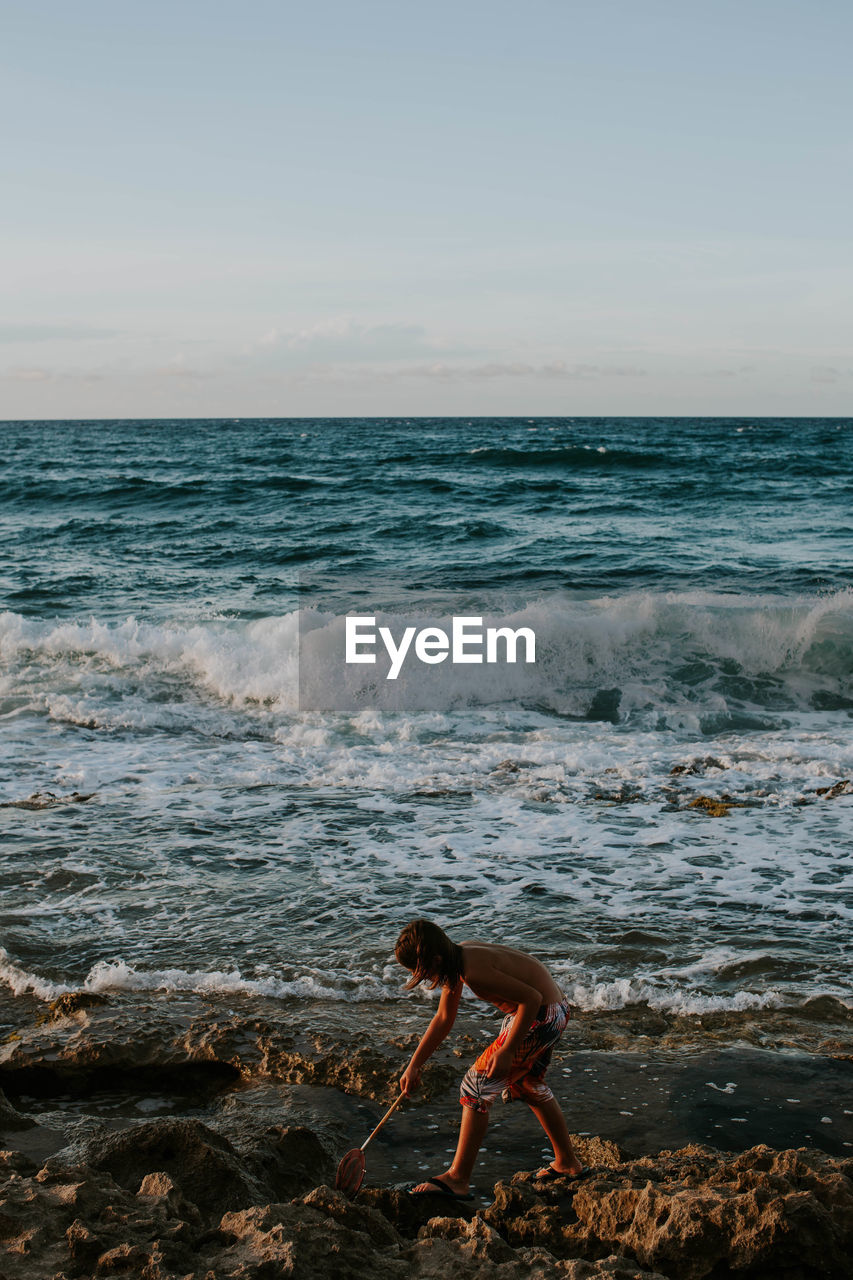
(180, 810)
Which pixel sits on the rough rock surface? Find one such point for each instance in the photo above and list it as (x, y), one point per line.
(695, 1213)
(10, 1118)
(172, 1199)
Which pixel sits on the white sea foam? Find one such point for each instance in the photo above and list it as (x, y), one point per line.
(21, 982)
(622, 993)
(117, 975)
(663, 652)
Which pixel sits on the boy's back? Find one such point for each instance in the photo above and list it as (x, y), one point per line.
(491, 970)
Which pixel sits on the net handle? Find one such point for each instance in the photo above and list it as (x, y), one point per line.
(387, 1116)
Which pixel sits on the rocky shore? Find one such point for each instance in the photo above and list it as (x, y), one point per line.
(172, 1199)
(166, 1140)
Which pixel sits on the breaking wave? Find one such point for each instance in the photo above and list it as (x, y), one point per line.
(689, 659)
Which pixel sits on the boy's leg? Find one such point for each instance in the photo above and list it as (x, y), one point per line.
(472, 1130)
(476, 1095)
(553, 1121)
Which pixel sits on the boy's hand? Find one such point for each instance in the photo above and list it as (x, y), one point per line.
(500, 1064)
(410, 1080)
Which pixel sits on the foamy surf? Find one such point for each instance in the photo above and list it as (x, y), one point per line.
(118, 976)
(680, 660)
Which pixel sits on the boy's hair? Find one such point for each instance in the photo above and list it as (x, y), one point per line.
(426, 949)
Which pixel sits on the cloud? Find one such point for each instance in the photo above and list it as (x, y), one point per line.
(558, 369)
(38, 373)
(177, 367)
(825, 373)
(343, 340)
(730, 373)
(53, 333)
(28, 374)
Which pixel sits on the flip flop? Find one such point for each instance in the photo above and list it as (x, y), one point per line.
(550, 1174)
(437, 1187)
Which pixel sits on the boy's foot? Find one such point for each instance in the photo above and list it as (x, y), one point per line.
(441, 1187)
(551, 1174)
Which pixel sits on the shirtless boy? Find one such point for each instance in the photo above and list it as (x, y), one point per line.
(536, 1015)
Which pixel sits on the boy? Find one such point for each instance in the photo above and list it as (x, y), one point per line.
(514, 1065)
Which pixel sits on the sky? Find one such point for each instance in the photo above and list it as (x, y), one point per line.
(271, 209)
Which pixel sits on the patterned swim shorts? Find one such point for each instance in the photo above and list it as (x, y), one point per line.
(526, 1077)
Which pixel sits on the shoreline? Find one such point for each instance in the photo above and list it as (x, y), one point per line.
(633, 1077)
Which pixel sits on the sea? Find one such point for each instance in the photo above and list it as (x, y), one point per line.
(196, 797)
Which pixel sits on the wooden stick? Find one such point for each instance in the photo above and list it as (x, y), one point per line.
(391, 1109)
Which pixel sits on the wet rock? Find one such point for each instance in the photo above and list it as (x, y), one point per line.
(365, 1072)
(626, 794)
(74, 1002)
(47, 800)
(696, 766)
(716, 808)
(842, 788)
(145, 1044)
(605, 706)
(12, 1119)
(110, 1048)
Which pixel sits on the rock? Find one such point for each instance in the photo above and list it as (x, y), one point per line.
(83, 1245)
(145, 1206)
(612, 1268)
(289, 1161)
(124, 1257)
(696, 766)
(78, 1223)
(716, 808)
(842, 788)
(409, 1213)
(475, 1251)
(359, 1217)
(74, 1002)
(695, 1213)
(282, 1240)
(16, 1162)
(161, 1188)
(47, 799)
(201, 1163)
(476, 1238)
(596, 1151)
(144, 1045)
(10, 1118)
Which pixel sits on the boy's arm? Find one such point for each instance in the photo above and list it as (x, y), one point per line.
(439, 1027)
